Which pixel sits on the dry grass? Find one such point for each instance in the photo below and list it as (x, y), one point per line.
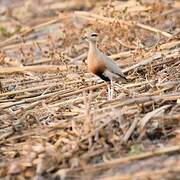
(55, 120)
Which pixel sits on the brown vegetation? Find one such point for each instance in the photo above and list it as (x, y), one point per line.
(55, 120)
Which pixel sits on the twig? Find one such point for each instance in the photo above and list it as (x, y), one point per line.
(144, 62)
(122, 54)
(39, 62)
(169, 45)
(155, 57)
(26, 31)
(168, 117)
(38, 68)
(79, 91)
(6, 135)
(144, 155)
(128, 23)
(28, 43)
(176, 10)
(30, 89)
(140, 100)
(130, 130)
(33, 99)
(93, 132)
(126, 160)
(146, 174)
(149, 115)
(71, 101)
(149, 28)
(53, 95)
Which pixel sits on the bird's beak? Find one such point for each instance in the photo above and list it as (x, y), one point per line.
(84, 39)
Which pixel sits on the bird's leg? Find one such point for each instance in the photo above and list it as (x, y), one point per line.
(112, 89)
(109, 91)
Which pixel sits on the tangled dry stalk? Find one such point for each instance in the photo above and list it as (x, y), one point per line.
(55, 120)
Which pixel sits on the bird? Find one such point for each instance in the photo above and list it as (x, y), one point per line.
(101, 65)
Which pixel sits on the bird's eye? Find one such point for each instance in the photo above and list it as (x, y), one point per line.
(94, 35)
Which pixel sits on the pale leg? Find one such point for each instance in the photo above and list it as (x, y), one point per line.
(112, 89)
(109, 91)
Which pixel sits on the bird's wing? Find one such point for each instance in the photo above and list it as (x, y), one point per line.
(111, 65)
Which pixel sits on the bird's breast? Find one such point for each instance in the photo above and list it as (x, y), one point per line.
(95, 65)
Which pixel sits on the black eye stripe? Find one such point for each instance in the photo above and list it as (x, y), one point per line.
(94, 35)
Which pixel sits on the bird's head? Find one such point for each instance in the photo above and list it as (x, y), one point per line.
(92, 37)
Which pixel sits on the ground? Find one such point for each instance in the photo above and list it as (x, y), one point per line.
(55, 119)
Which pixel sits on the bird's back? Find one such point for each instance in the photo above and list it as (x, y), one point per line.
(111, 65)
